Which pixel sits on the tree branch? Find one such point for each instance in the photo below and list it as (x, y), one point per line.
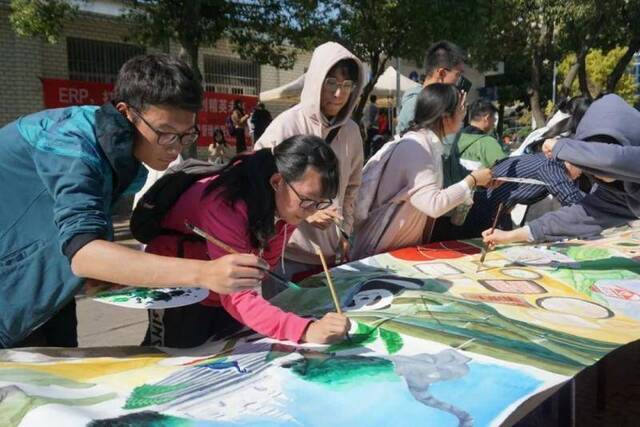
(621, 65)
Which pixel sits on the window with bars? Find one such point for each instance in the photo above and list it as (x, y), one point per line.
(231, 75)
(98, 61)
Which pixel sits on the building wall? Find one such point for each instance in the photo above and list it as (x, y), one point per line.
(26, 60)
(20, 67)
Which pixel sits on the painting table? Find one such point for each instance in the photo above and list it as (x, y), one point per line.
(437, 339)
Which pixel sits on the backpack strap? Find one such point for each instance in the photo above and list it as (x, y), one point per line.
(468, 146)
(332, 134)
(384, 169)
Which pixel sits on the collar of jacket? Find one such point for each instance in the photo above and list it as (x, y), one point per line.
(471, 129)
(115, 135)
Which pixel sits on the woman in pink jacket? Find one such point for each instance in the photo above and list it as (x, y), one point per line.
(253, 206)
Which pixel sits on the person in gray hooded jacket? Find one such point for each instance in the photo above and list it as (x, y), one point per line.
(606, 146)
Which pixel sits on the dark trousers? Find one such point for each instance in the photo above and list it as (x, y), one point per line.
(189, 326)
(241, 144)
(61, 330)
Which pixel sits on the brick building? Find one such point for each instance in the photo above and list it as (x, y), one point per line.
(92, 50)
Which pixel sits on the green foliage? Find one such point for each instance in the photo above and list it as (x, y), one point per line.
(261, 31)
(41, 18)
(599, 67)
(378, 30)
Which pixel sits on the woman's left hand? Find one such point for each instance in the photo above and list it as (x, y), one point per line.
(483, 177)
(547, 147)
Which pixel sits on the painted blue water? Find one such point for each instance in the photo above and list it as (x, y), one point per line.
(483, 393)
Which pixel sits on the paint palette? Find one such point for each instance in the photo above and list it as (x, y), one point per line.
(148, 298)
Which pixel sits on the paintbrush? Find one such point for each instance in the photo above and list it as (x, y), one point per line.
(208, 237)
(332, 288)
(485, 247)
(341, 229)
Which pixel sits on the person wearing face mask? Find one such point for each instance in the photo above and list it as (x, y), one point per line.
(476, 146)
(402, 191)
(332, 88)
(253, 206)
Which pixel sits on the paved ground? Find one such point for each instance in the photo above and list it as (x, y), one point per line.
(606, 395)
(107, 325)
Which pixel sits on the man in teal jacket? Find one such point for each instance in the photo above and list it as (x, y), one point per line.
(61, 172)
(477, 148)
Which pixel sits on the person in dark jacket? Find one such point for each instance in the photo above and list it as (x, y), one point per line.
(62, 171)
(606, 146)
(559, 179)
(260, 119)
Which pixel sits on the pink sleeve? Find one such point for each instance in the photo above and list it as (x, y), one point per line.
(251, 309)
(229, 224)
(226, 223)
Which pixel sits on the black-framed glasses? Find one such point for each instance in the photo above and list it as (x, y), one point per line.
(331, 83)
(170, 138)
(309, 203)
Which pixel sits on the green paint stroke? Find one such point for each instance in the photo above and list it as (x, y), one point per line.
(344, 371)
(144, 418)
(124, 295)
(149, 394)
(364, 334)
(595, 264)
(392, 340)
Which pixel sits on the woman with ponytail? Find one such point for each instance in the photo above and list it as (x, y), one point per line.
(253, 205)
(401, 192)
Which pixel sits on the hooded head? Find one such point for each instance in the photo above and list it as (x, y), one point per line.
(330, 102)
(610, 119)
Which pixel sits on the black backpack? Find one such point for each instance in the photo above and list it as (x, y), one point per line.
(452, 170)
(156, 202)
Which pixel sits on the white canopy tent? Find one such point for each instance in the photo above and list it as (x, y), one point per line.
(287, 92)
(385, 86)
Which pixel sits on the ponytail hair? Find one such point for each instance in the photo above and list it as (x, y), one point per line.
(434, 103)
(576, 108)
(247, 178)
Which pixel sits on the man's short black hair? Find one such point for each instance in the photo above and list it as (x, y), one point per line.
(373, 98)
(158, 79)
(480, 108)
(443, 54)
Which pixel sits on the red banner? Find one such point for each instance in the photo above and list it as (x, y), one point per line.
(216, 107)
(63, 93)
